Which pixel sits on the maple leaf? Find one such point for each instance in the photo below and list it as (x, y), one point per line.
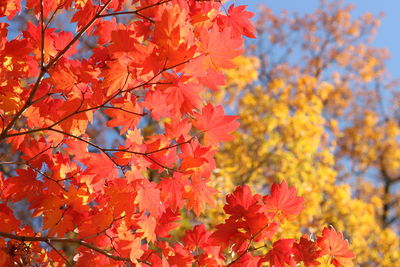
(198, 194)
(281, 253)
(184, 95)
(119, 195)
(167, 30)
(10, 8)
(147, 227)
(17, 186)
(242, 202)
(104, 29)
(178, 255)
(231, 233)
(6, 216)
(98, 221)
(151, 103)
(48, 6)
(212, 79)
(84, 15)
(116, 77)
(63, 78)
(195, 158)
(177, 129)
(148, 197)
(197, 237)
(172, 190)
(128, 243)
(248, 260)
(136, 250)
(215, 125)
(123, 42)
(167, 222)
(306, 251)
(249, 211)
(99, 168)
(219, 48)
(283, 201)
(61, 40)
(333, 244)
(239, 19)
(33, 33)
(126, 113)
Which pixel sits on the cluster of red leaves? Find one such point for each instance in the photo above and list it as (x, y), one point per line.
(101, 198)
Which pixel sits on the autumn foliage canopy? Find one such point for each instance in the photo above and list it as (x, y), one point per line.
(95, 202)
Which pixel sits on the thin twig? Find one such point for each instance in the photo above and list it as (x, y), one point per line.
(99, 233)
(59, 253)
(52, 17)
(248, 248)
(135, 12)
(42, 29)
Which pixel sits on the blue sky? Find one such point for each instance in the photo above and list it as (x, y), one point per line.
(388, 34)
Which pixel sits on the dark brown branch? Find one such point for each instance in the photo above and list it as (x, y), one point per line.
(66, 240)
(42, 30)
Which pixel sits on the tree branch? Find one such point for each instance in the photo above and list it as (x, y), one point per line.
(81, 242)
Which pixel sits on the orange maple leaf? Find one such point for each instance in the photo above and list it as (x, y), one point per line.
(198, 194)
(333, 244)
(219, 48)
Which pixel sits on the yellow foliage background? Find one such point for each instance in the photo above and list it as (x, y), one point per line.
(319, 109)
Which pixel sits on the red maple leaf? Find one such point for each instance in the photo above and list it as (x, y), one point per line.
(242, 203)
(125, 112)
(84, 15)
(10, 224)
(306, 251)
(281, 253)
(167, 222)
(239, 19)
(333, 244)
(197, 238)
(172, 191)
(215, 125)
(283, 201)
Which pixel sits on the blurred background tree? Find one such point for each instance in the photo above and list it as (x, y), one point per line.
(318, 108)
